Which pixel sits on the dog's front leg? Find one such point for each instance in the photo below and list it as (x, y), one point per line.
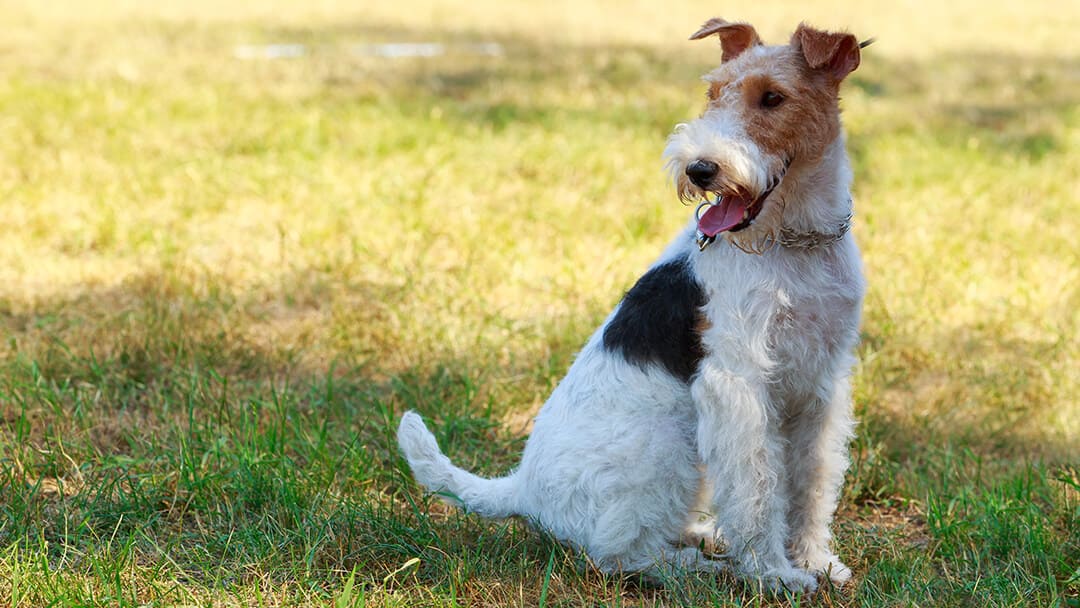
(818, 436)
(739, 442)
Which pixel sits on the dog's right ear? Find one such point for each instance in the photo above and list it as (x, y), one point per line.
(734, 37)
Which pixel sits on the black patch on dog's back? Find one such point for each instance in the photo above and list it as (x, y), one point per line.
(657, 320)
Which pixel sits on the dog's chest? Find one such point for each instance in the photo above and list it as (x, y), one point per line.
(792, 314)
(807, 324)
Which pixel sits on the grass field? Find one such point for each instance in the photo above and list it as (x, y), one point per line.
(223, 276)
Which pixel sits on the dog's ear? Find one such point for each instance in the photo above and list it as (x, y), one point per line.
(835, 52)
(734, 37)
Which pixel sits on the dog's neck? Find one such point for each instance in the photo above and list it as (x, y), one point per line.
(811, 208)
(817, 199)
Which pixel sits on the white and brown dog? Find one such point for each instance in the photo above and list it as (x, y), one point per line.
(724, 372)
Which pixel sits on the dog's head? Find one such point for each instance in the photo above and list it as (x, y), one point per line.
(770, 110)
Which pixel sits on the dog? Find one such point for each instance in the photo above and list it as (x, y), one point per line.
(723, 374)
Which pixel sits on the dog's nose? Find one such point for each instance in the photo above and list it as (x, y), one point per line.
(701, 172)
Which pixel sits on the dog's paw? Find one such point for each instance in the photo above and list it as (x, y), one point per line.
(789, 579)
(837, 572)
(828, 565)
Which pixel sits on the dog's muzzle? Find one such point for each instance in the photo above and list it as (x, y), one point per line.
(731, 211)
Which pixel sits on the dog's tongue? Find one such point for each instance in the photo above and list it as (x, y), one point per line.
(722, 216)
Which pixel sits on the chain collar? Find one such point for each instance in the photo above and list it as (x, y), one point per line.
(813, 239)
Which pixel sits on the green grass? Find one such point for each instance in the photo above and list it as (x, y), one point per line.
(223, 280)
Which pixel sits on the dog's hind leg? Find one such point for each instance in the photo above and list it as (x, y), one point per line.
(675, 562)
(640, 509)
(662, 563)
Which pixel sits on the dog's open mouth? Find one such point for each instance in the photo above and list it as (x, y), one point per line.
(733, 211)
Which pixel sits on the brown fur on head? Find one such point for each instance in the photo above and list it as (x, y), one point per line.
(784, 98)
(806, 74)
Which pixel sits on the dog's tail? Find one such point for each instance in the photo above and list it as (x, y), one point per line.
(434, 471)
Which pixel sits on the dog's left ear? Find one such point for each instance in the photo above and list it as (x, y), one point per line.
(734, 37)
(837, 53)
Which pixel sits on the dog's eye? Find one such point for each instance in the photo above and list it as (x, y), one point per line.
(771, 99)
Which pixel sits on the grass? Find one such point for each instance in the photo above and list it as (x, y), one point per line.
(223, 279)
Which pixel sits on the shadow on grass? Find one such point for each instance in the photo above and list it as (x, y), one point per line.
(145, 413)
(979, 390)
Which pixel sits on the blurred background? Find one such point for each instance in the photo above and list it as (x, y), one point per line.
(238, 239)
